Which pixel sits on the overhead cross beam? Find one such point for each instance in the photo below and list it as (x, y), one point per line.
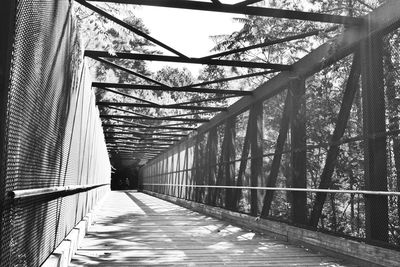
(138, 148)
(147, 139)
(271, 42)
(136, 143)
(146, 133)
(129, 71)
(254, 74)
(187, 114)
(170, 89)
(139, 105)
(131, 112)
(155, 118)
(385, 19)
(157, 127)
(202, 100)
(247, 2)
(129, 96)
(129, 27)
(220, 62)
(245, 10)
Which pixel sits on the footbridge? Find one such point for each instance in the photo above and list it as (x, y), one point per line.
(295, 161)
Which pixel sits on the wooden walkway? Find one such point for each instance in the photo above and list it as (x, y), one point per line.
(135, 229)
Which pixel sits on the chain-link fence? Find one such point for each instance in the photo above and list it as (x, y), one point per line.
(55, 164)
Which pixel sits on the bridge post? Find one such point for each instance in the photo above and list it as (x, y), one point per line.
(276, 161)
(187, 171)
(299, 153)
(243, 164)
(256, 163)
(229, 166)
(375, 168)
(212, 150)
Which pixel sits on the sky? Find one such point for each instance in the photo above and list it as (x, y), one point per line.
(187, 31)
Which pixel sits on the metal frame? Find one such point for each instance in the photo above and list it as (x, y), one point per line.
(219, 190)
(364, 34)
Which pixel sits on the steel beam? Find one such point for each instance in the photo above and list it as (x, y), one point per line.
(128, 27)
(140, 105)
(247, 2)
(246, 10)
(154, 118)
(129, 71)
(219, 62)
(383, 19)
(147, 134)
(298, 155)
(170, 89)
(147, 139)
(272, 42)
(157, 127)
(256, 162)
(375, 155)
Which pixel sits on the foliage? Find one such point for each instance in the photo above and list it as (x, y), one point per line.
(343, 213)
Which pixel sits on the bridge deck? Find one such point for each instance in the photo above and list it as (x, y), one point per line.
(134, 229)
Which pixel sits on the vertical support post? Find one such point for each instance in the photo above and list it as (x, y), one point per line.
(276, 162)
(218, 196)
(373, 96)
(196, 168)
(256, 164)
(201, 170)
(171, 173)
(212, 149)
(299, 154)
(229, 166)
(186, 188)
(177, 170)
(243, 165)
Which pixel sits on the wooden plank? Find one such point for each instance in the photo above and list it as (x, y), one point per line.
(134, 229)
(299, 154)
(375, 162)
(357, 252)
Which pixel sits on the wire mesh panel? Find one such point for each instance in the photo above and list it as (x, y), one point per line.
(53, 134)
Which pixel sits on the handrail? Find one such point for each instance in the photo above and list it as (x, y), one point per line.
(312, 190)
(24, 193)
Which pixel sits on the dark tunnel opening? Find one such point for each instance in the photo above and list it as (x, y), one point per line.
(125, 173)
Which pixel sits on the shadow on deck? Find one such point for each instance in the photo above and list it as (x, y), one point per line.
(135, 229)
